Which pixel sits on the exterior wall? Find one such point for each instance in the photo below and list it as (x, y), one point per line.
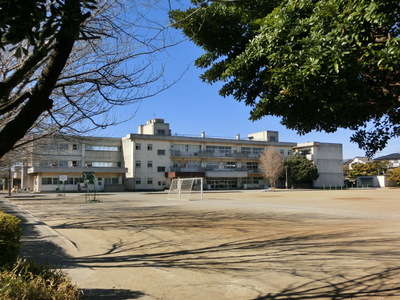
(374, 181)
(329, 160)
(71, 158)
(151, 161)
(128, 151)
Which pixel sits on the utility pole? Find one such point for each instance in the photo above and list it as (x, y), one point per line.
(9, 181)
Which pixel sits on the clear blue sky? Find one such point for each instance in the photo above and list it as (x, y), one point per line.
(191, 106)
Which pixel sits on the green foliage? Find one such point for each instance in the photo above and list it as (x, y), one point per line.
(30, 281)
(394, 175)
(10, 234)
(300, 169)
(30, 20)
(336, 62)
(368, 169)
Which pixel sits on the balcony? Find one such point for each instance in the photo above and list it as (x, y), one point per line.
(210, 154)
(229, 173)
(215, 171)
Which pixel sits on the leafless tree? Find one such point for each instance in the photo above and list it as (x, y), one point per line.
(271, 165)
(83, 60)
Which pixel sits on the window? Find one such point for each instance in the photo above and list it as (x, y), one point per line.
(230, 165)
(149, 164)
(49, 180)
(282, 152)
(161, 183)
(257, 151)
(149, 180)
(78, 180)
(104, 164)
(138, 164)
(102, 148)
(149, 147)
(46, 180)
(138, 181)
(161, 131)
(246, 150)
(75, 163)
(112, 180)
(161, 152)
(252, 166)
(138, 146)
(76, 147)
(160, 169)
(220, 150)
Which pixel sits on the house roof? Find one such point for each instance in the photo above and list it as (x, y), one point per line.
(393, 156)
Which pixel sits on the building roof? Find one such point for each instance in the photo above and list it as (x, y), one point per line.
(393, 156)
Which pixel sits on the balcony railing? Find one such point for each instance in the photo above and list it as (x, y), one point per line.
(210, 154)
(215, 169)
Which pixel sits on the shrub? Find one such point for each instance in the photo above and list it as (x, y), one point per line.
(30, 281)
(394, 175)
(10, 234)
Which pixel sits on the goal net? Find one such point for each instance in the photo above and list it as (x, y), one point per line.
(186, 189)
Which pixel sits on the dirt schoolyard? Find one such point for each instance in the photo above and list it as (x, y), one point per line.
(231, 245)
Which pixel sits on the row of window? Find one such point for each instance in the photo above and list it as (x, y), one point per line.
(66, 146)
(138, 146)
(74, 163)
(76, 180)
(138, 164)
(138, 181)
(209, 148)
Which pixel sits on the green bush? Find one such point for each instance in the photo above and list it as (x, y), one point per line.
(10, 234)
(30, 281)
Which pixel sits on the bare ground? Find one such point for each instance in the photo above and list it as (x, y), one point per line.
(231, 245)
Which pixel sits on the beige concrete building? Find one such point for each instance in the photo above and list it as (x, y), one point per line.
(58, 163)
(153, 157)
(150, 159)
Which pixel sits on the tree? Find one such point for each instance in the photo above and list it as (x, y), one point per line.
(271, 165)
(300, 169)
(394, 175)
(336, 62)
(65, 62)
(368, 169)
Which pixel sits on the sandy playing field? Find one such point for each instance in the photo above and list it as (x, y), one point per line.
(231, 245)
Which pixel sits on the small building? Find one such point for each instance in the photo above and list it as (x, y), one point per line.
(392, 159)
(357, 160)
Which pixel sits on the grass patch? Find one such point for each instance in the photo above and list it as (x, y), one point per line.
(27, 280)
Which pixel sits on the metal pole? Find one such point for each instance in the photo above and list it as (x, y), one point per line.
(286, 182)
(9, 181)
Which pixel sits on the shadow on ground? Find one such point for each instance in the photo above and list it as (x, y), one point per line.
(37, 248)
(112, 294)
(379, 285)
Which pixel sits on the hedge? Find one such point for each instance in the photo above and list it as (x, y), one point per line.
(10, 234)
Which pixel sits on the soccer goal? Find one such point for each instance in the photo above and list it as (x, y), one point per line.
(186, 189)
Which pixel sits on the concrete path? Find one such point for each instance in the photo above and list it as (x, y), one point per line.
(233, 245)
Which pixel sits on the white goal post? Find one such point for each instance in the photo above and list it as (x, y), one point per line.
(186, 189)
